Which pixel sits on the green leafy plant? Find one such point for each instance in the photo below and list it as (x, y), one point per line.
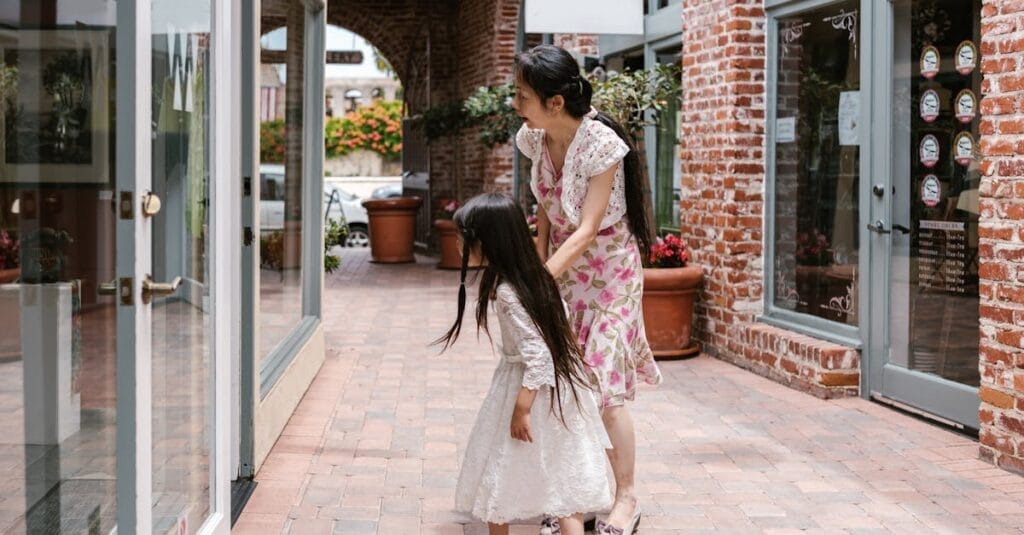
(334, 234)
(272, 141)
(43, 255)
(490, 108)
(628, 97)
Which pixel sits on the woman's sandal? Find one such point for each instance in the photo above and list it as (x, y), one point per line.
(604, 528)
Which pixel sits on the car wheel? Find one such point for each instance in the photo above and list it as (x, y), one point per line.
(358, 236)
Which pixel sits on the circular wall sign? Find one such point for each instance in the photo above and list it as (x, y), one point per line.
(929, 106)
(963, 148)
(966, 57)
(930, 61)
(931, 190)
(966, 106)
(928, 151)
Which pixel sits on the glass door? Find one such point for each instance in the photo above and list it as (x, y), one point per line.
(928, 225)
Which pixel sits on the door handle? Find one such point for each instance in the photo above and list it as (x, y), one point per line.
(901, 228)
(107, 288)
(879, 227)
(151, 288)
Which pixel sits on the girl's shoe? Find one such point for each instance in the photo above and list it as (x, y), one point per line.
(550, 525)
(604, 528)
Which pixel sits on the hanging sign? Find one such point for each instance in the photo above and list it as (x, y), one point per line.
(966, 57)
(930, 60)
(963, 148)
(929, 106)
(929, 151)
(584, 16)
(966, 106)
(931, 191)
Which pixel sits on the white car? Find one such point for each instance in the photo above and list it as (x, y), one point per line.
(339, 205)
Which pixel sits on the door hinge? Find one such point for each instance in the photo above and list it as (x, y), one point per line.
(247, 236)
(125, 289)
(247, 186)
(127, 206)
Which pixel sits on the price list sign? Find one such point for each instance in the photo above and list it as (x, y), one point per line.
(942, 256)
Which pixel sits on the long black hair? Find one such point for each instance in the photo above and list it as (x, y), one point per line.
(549, 70)
(496, 224)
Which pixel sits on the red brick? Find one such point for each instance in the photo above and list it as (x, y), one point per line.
(995, 397)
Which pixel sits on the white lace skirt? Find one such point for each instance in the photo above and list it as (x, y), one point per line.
(562, 472)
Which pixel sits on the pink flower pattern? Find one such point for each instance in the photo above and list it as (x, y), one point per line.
(603, 288)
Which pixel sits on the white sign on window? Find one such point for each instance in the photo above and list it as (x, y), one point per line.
(585, 16)
(849, 118)
(785, 129)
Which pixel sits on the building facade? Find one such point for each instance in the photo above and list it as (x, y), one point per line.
(852, 186)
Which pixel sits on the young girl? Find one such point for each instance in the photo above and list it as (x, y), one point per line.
(538, 445)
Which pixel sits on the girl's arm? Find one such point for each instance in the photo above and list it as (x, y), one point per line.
(520, 426)
(543, 229)
(599, 192)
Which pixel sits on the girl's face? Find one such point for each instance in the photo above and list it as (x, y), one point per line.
(531, 109)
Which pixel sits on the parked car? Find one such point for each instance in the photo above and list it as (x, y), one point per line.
(387, 192)
(339, 205)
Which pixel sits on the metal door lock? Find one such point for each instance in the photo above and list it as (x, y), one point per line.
(879, 227)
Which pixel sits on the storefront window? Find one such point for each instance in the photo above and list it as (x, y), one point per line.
(58, 333)
(281, 176)
(817, 157)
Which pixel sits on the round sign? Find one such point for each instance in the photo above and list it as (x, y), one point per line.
(966, 57)
(929, 105)
(931, 191)
(963, 148)
(929, 151)
(930, 60)
(966, 106)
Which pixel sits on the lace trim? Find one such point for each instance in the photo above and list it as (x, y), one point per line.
(530, 345)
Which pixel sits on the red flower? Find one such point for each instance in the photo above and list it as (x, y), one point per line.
(668, 252)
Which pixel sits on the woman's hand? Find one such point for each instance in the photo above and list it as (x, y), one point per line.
(595, 205)
(521, 425)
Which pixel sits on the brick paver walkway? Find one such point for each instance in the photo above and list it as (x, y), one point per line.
(375, 445)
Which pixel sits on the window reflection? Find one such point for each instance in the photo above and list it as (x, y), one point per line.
(817, 171)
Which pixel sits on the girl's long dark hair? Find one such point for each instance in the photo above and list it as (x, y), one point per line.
(496, 224)
(549, 70)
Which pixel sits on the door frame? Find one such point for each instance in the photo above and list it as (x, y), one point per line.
(947, 401)
(134, 442)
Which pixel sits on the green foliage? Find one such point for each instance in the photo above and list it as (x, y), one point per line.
(334, 234)
(272, 141)
(627, 97)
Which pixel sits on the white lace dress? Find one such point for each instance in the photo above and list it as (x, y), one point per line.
(563, 471)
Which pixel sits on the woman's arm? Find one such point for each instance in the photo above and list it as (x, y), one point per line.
(599, 192)
(543, 230)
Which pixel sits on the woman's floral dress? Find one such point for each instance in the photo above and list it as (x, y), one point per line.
(604, 286)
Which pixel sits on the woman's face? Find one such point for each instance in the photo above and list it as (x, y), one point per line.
(530, 107)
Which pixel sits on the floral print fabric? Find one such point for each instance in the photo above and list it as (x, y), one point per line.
(604, 286)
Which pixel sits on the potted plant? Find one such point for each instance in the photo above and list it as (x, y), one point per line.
(670, 288)
(448, 235)
(43, 255)
(334, 235)
(392, 225)
(9, 251)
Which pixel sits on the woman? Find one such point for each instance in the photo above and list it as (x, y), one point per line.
(592, 232)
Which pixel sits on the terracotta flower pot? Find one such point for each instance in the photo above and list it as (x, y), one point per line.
(9, 275)
(392, 228)
(448, 239)
(669, 294)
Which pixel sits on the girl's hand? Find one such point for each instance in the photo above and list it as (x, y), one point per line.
(521, 426)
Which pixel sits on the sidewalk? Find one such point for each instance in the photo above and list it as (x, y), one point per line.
(375, 445)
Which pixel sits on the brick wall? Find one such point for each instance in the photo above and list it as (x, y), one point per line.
(1001, 250)
(723, 157)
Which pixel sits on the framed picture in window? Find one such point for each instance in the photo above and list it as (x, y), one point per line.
(55, 117)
